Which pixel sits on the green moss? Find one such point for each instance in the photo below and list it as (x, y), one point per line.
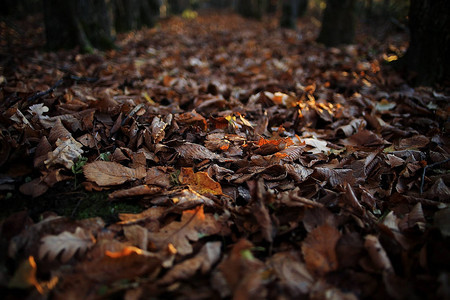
(64, 200)
(96, 204)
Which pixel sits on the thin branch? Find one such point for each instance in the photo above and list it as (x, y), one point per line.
(44, 93)
(425, 170)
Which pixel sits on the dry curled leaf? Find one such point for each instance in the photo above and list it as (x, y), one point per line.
(140, 190)
(67, 151)
(111, 173)
(67, 244)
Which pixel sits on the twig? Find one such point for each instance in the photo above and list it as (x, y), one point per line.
(42, 94)
(131, 114)
(66, 70)
(425, 170)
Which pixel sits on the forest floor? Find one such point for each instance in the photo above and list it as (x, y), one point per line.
(220, 157)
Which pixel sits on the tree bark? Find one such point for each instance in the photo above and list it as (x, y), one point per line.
(338, 23)
(84, 23)
(251, 8)
(133, 14)
(178, 6)
(428, 56)
(291, 10)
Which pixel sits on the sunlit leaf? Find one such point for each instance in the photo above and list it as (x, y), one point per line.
(200, 182)
(111, 173)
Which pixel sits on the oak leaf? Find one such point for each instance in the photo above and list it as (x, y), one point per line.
(66, 243)
(111, 173)
(193, 225)
(67, 151)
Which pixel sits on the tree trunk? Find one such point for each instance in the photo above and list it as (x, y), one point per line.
(19, 8)
(291, 10)
(428, 56)
(133, 14)
(338, 23)
(178, 6)
(84, 23)
(251, 8)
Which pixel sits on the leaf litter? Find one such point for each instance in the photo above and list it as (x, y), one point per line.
(266, 166)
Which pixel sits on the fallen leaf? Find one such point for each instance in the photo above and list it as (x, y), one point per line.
(193, 225)
(195, 151)
(140, 190)
(292, 273)
(377, 253)
(111, 173)
(319, 249)
(200, 182)
(67, 151)
(318, 145)
(67, 244)
(25, 276)
(203, 262)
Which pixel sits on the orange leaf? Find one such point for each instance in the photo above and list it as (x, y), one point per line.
(200, 182)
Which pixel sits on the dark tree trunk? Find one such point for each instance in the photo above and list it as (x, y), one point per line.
(84, 23)
(428, 56)
(291, 10)
(178, 6)
(338, 23)
(133, 14)
(251, 8)
(19, 8)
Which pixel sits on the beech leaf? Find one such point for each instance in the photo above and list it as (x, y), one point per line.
(319, 249)
(193, 225)
(111, 173)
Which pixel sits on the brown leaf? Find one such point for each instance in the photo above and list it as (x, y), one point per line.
(200, 182)
(137, 236)
(366, 138)
(150, 214)
(377, 253)
(335, 176)
(58, 131)
(292, 273)
(66, 243)
(157, 129)
(42, 151)
(111, 173)
(203, 261)
(140, 190)
(128, 263)
(159, 176)
(193, 225)
(413, 143)
(195, 151)
(240, 274)
(319, 249)
(34, 188)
